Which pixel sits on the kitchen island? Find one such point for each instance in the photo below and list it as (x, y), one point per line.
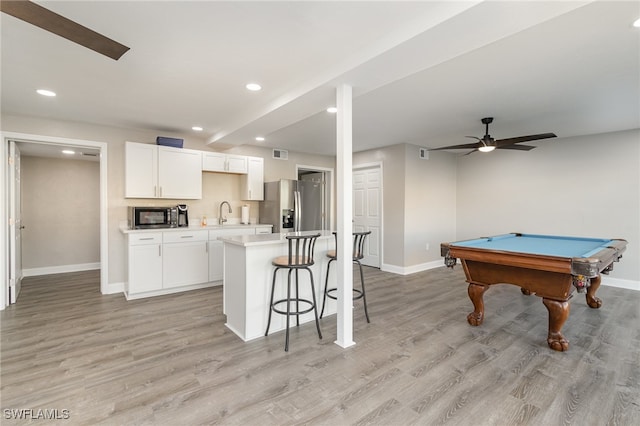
(248, 274)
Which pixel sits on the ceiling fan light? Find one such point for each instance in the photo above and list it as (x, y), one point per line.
(487, 148)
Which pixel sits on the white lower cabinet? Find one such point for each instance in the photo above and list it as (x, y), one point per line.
(144, 257)
(171, 261)
(185, 260)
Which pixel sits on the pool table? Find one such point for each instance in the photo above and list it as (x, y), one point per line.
(547, 266)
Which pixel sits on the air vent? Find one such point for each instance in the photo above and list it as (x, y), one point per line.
(424, 153)
(280, 154)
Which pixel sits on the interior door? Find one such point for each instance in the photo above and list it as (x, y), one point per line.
(15, 223)
(367, 211)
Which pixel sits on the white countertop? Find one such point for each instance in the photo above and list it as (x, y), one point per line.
(269, 239)
(125, 230)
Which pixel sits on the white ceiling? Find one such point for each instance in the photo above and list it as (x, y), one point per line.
(422, 72)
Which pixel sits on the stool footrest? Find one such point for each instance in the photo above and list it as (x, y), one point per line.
(356, 296)
(293, 300)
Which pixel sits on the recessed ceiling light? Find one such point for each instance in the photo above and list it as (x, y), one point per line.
(45, 92)
(254, 87)
(332, 110)
(637, 23)
(259, 138)
(68, 152)
(197, 128)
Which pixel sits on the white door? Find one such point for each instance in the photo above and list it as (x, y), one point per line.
(367, 211)
(15, 223)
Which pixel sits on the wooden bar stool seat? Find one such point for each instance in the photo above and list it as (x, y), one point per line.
(359, 239)
(301, 249)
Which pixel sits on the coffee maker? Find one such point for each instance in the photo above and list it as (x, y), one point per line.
(183, 215)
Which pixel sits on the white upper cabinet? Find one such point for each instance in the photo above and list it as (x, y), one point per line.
(141, 170)
(225, 163)
(179, 173)
(252, 184)
(153, 171)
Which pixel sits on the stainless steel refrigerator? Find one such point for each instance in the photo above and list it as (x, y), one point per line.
(293, 205)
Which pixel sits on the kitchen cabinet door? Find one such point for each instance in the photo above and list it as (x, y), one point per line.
(179, 173)
(236, 164)
(224, 163)
(144, 256)
(252, 184)
(214, 162)
(141, 170)
(185, 264)
(216, 264)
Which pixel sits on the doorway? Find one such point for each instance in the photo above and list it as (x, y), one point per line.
(11, 268)
(324, 177)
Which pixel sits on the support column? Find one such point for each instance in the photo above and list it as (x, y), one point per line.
(344, 275)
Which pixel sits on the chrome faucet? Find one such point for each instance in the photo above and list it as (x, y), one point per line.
(222, 220)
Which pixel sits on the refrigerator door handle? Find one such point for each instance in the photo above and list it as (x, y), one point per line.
(297, 211)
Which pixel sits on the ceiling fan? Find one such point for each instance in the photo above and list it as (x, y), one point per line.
(50, 21)
(488, 144)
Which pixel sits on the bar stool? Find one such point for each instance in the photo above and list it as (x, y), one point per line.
(359, 239)
(300, 256)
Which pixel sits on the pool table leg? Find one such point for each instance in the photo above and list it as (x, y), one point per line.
(558, 314)
(475, 294)
(593, 301)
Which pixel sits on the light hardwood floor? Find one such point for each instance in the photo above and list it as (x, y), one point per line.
(170, 360)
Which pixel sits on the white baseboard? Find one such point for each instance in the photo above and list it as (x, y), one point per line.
(47, 270)
(617, 282)
(406, 270)
(113, 288)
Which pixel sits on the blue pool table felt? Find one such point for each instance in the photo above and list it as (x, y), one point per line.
(539, 244)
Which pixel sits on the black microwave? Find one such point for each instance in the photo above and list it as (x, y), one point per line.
(153, 217)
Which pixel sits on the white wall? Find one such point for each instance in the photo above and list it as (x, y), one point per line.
(584, 186)
(430, 205)
(419, 204)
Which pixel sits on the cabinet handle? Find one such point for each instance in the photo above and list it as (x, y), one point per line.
(146, 239)
(206, 247)
(159, 250)
(187, 236)
(160, 191)
(155, 191)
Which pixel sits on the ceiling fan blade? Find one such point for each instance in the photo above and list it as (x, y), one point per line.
(465, 146)
(517, 147)
(501, 142)
(50, 21)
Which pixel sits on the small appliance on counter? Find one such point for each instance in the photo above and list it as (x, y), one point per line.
(183, 215)
(152, 217)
